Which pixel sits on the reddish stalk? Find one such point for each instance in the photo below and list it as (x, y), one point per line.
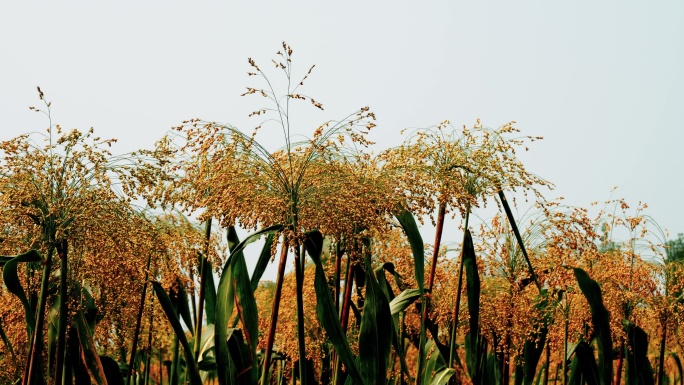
(274, 311)
(346, 304)
(438, 240)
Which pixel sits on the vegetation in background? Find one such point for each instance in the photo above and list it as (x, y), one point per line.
(99, 290)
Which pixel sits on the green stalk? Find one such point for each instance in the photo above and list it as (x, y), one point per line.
(344, 313)
(661, 362)
(148, 361)
(173, 375)
(203, 284)
(37, 344)
(338, 274)
(548, 362)
(426, 298)
(457, 305)
(138, 322)
(62, 250)
(274, 311)
(301, 342)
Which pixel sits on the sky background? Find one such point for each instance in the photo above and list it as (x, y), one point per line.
(602, 82)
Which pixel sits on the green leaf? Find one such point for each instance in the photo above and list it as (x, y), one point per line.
(262, 262)
(584, 368)
(375, 333)
(210, 294)
(534, 344)
(180, 300)
(442, 376)
(7, 343)
(600, 318)
(678, 362)
(638, 370)
(251, 239)
(89, 354)
(171, 315)
(207, 343)
(325, 309)
(384, 284)
(246, 303)
(404, 300)
(473, 347)
(11, 279)
(399, 306)
(234, 282)
(436, 371)
(112, 371)
(408, 223)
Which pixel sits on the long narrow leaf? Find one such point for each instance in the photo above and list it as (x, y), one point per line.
(473, 353)
(584, 368)
(11, 279)
(251, 239)
(375, 333)
(639, 370)
(247, 307)
(89, 354)
(600, 318)
(404, 300)
(262, 262)
(225, 303)
(442, 376)
(325, 309)
(180, 300)
(7, 343)
(171, 315)
(408, 223)
(210, 294)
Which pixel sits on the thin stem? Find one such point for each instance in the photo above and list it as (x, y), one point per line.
(36, 346)
(621, 359)
(274, 311)
(438, 240)
(63, 311)
(346, 303)
(138, 322)
(149, 349)
(661, 363)
(299, 275)
(203, 283)
(457, 305)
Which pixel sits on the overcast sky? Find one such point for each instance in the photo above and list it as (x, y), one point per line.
(602, 82)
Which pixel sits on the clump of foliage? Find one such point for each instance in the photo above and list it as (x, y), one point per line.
(99, 290)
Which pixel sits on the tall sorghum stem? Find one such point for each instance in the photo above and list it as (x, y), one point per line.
(138, 322)
(274, 311)
(36, 346)
(62, 250)
(457, 305)
(203, 283)
(301, 341)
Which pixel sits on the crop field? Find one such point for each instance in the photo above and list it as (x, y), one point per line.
(149, 267)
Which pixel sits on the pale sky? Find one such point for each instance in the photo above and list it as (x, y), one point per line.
(602, 82)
